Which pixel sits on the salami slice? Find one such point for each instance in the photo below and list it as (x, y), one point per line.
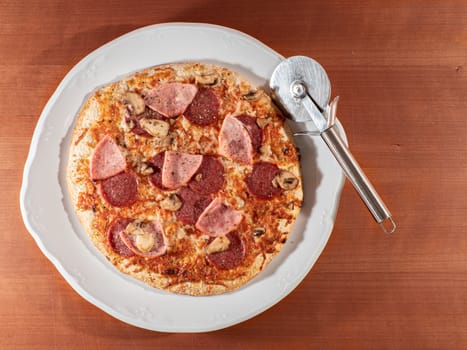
(193, 205)
(157, 163)
(135, 119)
(256, 134)
(260, 181)
(204, 109)
(210, 176)
(114, 240)
(120, 190)
(231, 257)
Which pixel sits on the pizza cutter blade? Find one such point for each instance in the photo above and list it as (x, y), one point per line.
(302, 90)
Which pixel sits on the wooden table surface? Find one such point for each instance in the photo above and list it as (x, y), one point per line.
(399, 69)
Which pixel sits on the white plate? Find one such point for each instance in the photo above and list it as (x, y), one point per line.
(48, 215)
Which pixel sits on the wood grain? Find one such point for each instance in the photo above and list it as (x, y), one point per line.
(400, 69)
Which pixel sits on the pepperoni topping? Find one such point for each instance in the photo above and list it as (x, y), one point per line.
(149, 114)
(120, 190)
(256, 134)
(171, 99)
(260, 181)
(210, 176)
(106, 160)
(204, 109)
(231, 257)
(193, 205)
(157, 162)
(114, 240)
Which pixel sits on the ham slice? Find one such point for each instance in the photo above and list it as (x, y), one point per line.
(106, 160)
(178, 168)
(235, 141)
(218, 219)
(144, 238)
(171, 99)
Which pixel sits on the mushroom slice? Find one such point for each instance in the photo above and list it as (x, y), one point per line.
(155, 127)
(143, 168)
(172, 202)
(135, 101)
(259, 231)
(218, 244)
(135, 228)
(285, 180)
(253, 95)
(145, 242)
(207, 78)
(262, 122)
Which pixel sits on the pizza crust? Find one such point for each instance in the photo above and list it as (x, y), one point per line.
(104, 113)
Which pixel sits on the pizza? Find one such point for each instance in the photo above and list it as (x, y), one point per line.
(185, 176)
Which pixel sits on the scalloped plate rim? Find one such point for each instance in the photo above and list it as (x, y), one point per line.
(59, 265)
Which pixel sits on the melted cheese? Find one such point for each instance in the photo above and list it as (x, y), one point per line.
(186, 247)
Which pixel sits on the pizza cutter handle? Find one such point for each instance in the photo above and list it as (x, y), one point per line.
(359, 180)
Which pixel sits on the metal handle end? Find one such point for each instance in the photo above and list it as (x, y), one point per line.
(332, 111)
(388, 225)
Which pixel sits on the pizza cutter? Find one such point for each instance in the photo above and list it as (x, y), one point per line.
(302, 90)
